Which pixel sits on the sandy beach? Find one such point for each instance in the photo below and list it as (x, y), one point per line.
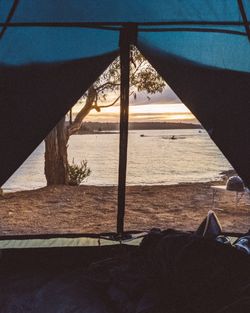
(83, 209)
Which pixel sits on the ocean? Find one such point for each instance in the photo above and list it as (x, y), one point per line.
(155, 157)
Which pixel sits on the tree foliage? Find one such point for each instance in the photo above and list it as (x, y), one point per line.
(78, 172)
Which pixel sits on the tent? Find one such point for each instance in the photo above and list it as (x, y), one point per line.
(51, 51)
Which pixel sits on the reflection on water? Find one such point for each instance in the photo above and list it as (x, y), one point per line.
(155, 157)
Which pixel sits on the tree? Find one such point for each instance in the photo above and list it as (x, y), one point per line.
(143, 78)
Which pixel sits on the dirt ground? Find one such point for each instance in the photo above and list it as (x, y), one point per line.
(83, 209)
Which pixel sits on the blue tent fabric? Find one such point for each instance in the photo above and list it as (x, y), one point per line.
(246, 8)
(222, 51)
(22, 45)
(125, 11)
(52, 51)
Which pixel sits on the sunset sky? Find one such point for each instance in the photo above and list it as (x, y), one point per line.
(159, 108)
(145, 112)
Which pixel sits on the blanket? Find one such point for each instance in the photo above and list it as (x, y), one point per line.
(171, 272)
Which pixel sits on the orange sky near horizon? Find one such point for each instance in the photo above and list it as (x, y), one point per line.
(145, 112)
(159, 107)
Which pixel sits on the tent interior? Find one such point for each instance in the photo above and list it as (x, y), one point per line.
(51, 52)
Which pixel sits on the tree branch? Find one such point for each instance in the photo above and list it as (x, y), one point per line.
(111, 104)
(76, 125)
(136, 70)
(108, 105)
(105, 85)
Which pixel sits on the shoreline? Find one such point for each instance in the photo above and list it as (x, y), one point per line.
(222, 177)
(92, 209)
(109, 127)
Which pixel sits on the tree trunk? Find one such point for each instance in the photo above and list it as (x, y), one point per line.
(56, 158)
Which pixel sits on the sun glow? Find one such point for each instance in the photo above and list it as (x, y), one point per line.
(144, 112)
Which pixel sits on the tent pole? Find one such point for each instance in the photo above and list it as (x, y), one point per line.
(244, 18)
(124, 111)
(9, 17)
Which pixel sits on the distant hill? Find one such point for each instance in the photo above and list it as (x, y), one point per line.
(95, 127)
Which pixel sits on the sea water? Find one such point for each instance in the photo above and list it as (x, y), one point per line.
(155, 157)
